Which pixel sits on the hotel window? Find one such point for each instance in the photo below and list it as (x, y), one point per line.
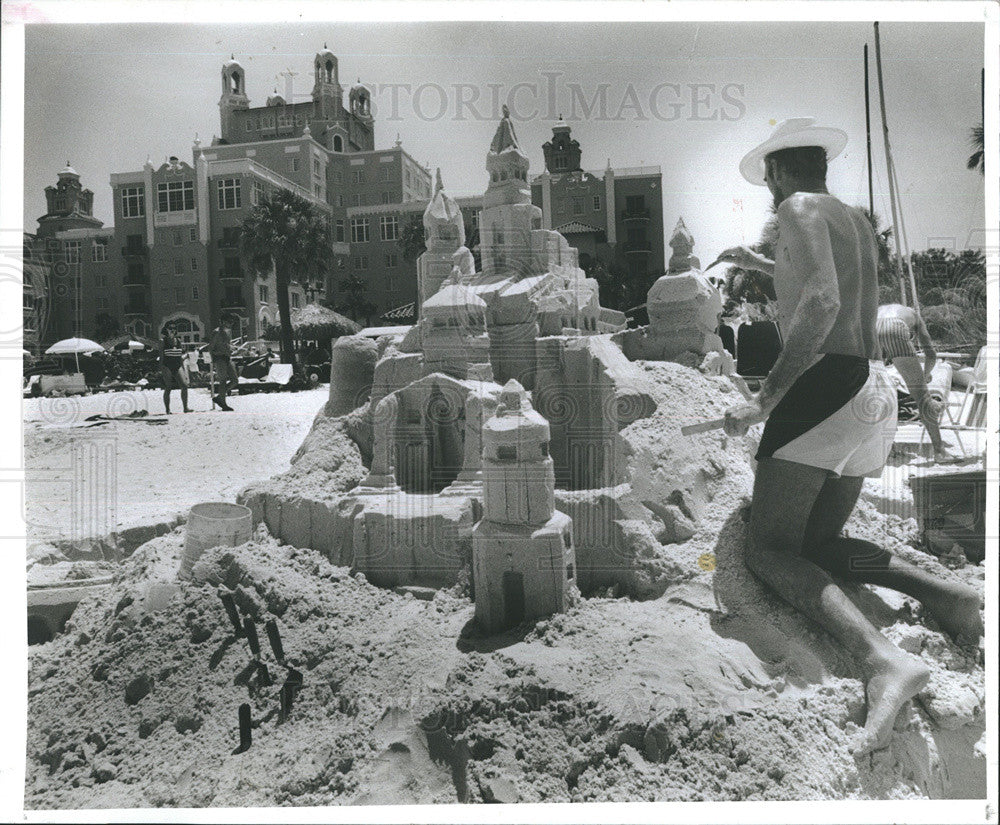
(99, 252)
(359, 230)
(295, 300)
(133, 202)
(316, 169)
(179, 295)
(178, 238)
(561, 163)
(194, 293)
(262, 294)
(72, 252)
(356, 199)
(577, 206)
(361, 262)
(475, 221)
(597, 203)
(385, 197)
(229, 193)
(285, 120)
(339, 236)
(267, 121)
(340, 200)
(391, 261)
(249, 125)
(299, 120)
(385, 173)
(176, 196)
(294, 164)
(193, 234)
(100, 279)
(194, 264)
(178, 266)
(257, 193)
(390, 282)
(358, 176)
(102, 301)
(338, 177)
(389, 224)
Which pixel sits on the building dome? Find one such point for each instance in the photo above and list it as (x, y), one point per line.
(275, 99)
(68, 172)
(324, 53)
(232, 63)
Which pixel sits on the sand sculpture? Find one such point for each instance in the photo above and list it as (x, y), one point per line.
(523, 339)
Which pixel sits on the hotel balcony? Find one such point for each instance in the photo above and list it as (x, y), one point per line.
(226, 275)
(130, 251)
(232, 300)
(637, 247)
(227, 243)
(635, 215)
(136, 279)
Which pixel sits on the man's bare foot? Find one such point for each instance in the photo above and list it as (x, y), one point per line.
(895, 681)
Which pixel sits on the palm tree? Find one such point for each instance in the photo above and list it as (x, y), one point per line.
(287, 234)
(977, 160)
(353, 292)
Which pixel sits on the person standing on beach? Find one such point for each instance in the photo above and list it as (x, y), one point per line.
(831, 420)
(172, 368)
(897, 326)
(221, 349)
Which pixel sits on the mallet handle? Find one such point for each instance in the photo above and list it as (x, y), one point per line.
(704, 427)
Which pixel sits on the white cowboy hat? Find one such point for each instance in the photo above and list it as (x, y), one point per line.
(794, 132)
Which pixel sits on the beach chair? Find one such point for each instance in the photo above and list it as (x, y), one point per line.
(277, 378)
(969, 413)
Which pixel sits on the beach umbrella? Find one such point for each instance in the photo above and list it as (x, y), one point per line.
(74, 346)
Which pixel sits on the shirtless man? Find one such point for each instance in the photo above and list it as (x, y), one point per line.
(831, 419)
(897, 325)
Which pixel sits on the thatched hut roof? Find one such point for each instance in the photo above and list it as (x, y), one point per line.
(315, 322)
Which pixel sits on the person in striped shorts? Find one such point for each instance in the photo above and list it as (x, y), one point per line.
(896, 327)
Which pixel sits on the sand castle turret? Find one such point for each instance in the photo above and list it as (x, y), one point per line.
(444, 235)
(524, 566)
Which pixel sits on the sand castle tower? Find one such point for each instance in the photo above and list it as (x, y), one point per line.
(444, 235)
(682, 245)
(508, 214)
(524, 566)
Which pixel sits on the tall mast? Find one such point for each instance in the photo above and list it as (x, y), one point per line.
(901, 250)
(868, 133)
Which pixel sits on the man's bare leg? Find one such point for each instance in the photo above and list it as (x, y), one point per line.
(955, 606)
(913, 374)
(783, 499)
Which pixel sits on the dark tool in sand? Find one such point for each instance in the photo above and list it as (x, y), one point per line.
(234, 616)
(245, 736)
(275, 640)
(263, 675)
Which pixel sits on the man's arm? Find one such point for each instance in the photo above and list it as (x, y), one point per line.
(927, 345)
(807, 237)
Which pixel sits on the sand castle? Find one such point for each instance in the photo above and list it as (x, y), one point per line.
(513, 360)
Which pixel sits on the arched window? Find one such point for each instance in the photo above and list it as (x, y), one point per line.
(236, 83)
(338, 143)
(329, 71)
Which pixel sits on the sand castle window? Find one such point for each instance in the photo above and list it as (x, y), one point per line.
(543, 448)
(569, 567)
(506, 452)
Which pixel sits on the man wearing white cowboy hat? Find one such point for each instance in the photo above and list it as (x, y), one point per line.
(831, 420)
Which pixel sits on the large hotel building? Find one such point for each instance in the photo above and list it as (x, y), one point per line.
(172, 253)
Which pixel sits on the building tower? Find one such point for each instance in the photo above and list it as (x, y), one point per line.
(327, 93)
(68, 205)
(508, 215)
(234, 97)
(524, 566)
(562, 153)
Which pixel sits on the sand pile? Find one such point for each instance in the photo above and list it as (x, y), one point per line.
(712, 690)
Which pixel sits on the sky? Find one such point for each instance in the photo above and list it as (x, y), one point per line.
(689, 97)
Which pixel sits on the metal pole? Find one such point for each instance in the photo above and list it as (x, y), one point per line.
(888, 166)
(868, 132)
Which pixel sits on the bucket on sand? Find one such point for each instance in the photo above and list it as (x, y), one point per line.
(214, 524)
